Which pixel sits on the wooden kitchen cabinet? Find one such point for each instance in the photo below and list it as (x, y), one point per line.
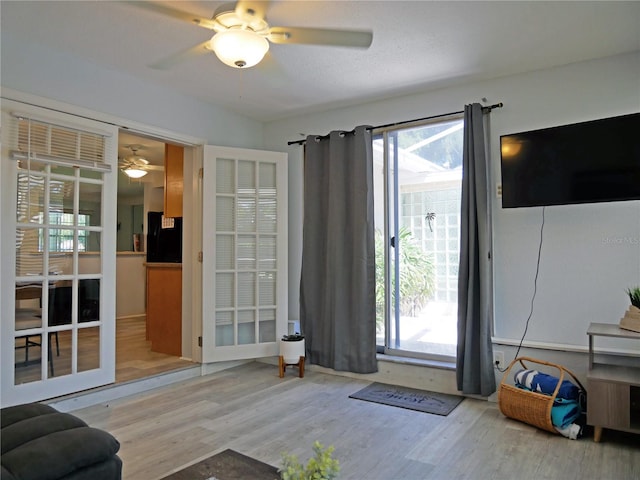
(173, 180)
(164, 307)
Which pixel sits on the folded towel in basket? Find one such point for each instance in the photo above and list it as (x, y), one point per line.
(543, 383)
(525, 378)
(564, 412)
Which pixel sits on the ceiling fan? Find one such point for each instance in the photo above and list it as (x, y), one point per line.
(242, 34)
(135, 166)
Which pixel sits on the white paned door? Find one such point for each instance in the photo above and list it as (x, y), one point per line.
(58, 254)
(244, 253)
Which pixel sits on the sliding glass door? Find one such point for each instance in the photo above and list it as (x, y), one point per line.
(418, 174)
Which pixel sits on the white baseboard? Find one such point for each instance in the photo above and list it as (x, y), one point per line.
(404, 373)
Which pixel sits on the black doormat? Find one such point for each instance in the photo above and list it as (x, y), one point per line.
(411, 398)
(227, 465)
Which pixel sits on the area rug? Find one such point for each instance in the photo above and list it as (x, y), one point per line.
(227, 465)
(410, 398)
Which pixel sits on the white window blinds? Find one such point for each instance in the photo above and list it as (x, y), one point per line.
(43, 142)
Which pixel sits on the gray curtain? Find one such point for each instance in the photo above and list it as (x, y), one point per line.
(474, 367)
(337, 286)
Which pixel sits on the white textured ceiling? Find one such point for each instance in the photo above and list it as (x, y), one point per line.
(417, 45)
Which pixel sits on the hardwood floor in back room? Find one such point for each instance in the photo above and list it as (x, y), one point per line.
(250, 410)
(134, 358)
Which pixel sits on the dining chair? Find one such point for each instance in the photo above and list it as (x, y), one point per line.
(27, 319)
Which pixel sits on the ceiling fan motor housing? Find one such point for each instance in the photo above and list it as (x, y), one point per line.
(239, 48)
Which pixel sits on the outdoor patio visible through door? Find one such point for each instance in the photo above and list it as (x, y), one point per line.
(417, 175)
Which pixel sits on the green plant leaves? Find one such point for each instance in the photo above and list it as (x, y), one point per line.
(322, 466)
(634, 296)
(417, 276)
(294, 337)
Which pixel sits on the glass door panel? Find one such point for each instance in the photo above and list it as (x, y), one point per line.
(246, 327)
(419, 173)
(246, 289)
(57, 181)
(88, 349)
(246, 252)
(224, 328)
(53, 302)
(267, 327)
(249, 252)
(246, 214)
(60, 346)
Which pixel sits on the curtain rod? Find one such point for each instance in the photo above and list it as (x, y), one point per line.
(486, 109)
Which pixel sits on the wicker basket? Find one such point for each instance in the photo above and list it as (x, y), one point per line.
(527, 406)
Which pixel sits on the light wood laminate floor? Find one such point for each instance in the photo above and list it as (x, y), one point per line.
(250, 410)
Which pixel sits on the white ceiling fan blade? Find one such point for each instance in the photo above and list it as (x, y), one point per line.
(181, 56)
(248, 11)
(321, 36)
(173, 13)
(156, 168)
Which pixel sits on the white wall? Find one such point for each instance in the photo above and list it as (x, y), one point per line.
(131, 284)
(591, 253)
(65, 78)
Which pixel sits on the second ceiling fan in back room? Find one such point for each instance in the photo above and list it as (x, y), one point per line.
(136, 166)
(242, 34)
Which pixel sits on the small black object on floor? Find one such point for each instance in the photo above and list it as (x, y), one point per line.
(410, 398)
(227, 465)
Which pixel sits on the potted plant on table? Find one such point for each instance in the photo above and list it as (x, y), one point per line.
(631, 319)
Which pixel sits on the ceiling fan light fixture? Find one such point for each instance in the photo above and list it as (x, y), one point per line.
(133, 172)
(239, 48)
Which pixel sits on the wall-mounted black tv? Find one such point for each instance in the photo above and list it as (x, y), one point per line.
(587, 162)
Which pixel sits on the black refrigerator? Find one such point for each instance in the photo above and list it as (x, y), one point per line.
(164, 241)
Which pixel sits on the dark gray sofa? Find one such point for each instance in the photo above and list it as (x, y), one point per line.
(40, 443)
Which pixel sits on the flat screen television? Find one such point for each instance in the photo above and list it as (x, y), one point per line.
(587, 162)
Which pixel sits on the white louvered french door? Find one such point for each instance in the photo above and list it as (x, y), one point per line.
(58, 254)
(244, 253)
